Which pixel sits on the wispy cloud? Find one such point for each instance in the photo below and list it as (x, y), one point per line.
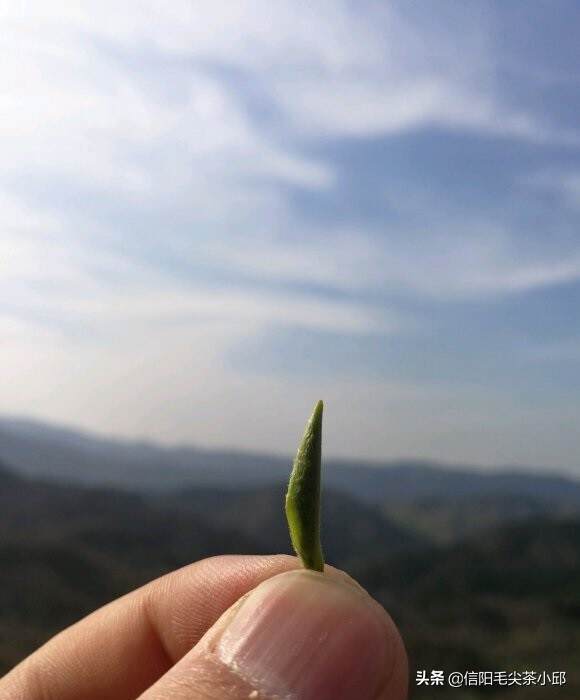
(468, 260)
(180, 180)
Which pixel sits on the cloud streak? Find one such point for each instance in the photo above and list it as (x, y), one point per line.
(183, 181)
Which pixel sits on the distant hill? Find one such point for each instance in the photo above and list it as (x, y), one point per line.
(507, 599)
(185, 525)
(350, 528)
(60, 454)
(67, 549)
(109, 522)
(8, 476)
(504, 599)
(445, 520)
(39, 450)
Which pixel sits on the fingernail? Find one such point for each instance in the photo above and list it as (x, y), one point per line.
(305, 636)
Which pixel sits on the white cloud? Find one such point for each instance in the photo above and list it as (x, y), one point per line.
(122, 99)
(329, 69)
(197, 114)
(69, 108)
(442, 262)
(49, 270)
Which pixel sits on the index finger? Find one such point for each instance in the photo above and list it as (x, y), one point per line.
(123, 648)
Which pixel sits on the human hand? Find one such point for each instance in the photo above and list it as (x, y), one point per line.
(225, 628)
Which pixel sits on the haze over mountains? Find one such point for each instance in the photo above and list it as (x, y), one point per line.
(504, 599)
(62, 454)
(480, 570)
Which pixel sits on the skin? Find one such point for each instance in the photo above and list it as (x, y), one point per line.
(303, 496)
(147, 644)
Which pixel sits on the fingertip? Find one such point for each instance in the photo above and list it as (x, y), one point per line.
(301, 634)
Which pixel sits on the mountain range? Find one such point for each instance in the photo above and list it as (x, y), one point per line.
(481, 571)
(63, 454)
(504, 599)
(433, 500)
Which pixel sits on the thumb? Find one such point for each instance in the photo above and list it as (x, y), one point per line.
(299, 635)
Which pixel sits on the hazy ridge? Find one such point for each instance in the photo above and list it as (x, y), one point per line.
(480, 571)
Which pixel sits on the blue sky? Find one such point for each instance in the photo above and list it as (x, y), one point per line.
(215, 213)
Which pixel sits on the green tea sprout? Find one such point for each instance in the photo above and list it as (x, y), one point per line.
(303, 495)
